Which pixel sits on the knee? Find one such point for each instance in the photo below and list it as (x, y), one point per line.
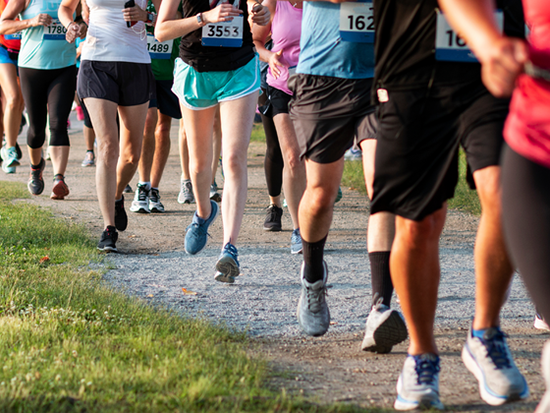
(108, 150)
(295, 164)
(320, 199)
(421, 233)
(234, 164)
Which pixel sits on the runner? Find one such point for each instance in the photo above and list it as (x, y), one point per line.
(526, 159)
(217, 67)
(428, 106)
(115, 76)
(285, 30)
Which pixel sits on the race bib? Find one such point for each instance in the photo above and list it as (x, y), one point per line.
(224, 34)
(357, 22)
(13, 36)
(55, 31)
(450, 47)
(158, 50)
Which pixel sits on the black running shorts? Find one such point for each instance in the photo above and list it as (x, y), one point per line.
(166, 101)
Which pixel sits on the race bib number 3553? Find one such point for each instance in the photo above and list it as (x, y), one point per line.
(224, 34)
(357, 22)
(55, 31)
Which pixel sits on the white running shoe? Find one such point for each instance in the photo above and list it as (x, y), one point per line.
(385, 328)
(490, 361)
(418, 383)
(154, 201)
(140, 204)
(540, 323)
(186, 192)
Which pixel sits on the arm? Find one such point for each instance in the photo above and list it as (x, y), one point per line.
(169, 27)
(259, 36)
(502, 57)
(65, 15)
(9, 25)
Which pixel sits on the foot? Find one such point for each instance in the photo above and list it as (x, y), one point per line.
(313, 313)
(214, 194)
(60, 189)
(418, 384)
(36, 182)
(273, 217)
(540, 323)
(121, 218)
(10, 158)
(227, 267)
(107, 242)
(385, 328)
(89, 159)
(140, 204)
(186, 192)
(490, 361)
(295, 242)
(544, 404)
(339, 195)
(128, 189)
(197, 232)
(154, 201)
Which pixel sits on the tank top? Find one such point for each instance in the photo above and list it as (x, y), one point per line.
(45, 47)
(527, 128)
(286, 29)
(11, 42)
(109, 38)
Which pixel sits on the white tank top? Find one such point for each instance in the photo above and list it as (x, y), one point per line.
(110, 39)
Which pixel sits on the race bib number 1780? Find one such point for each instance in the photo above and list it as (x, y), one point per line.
(357, 22)
(55, 31)
(224, 34)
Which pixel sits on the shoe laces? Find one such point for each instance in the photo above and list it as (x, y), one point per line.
(231, 250)
(155, 195)
(295, 237)
(272, 212)
(142, 192)
(494, 342)
(426, 367)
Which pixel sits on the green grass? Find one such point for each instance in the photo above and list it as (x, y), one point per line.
(353, 177)
(69, 343)
(258, 134)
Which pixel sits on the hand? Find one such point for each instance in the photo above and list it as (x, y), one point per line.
(73, 31)
(275, 64)
(134, 14)
(223, 13)
(260, 15)
(42, 19)
(502, 63)
(83, 29)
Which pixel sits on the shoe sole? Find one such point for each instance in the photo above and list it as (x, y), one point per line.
(389, 333)
(216, 197)
(157, 210)
(140, 210)
(228, 270)
(426, 404)
(59, 192)
(484, 392)
(308, 331)
(273, 229)
(88, 165)
(185, 202)
(107, 249)
(8, 169)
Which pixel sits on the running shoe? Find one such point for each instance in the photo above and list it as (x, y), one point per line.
(121, 218)
(10, 158)
(544, 404)
(89, 159)
(418, 383)
(227, 267)
(214, 194)
(107, 242)
(540, 323)
(36, 182)
(128, 189)
(154, 201)
(312, 312)
(385, 328)
(197, 232)
(490, 361)
(140, 204)
(353, 155)
(60, 189)
(295, 241)
(79, 113)
(339, 195)
(273, 217)
(186, 192)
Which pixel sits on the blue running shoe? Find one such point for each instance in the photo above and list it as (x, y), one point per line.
(227, 267)
(418, 383)
(197, 232)
(296, 242)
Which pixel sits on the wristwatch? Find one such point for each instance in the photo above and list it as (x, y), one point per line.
(200, 20)
(151, 18)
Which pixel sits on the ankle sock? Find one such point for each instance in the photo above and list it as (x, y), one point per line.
(147, 185)
(313, 259)
(380, 276)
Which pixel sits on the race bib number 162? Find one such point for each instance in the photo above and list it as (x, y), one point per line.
(357, 22)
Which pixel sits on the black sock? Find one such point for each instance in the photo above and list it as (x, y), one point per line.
(39, 164)
(313, 259)
(380, 276)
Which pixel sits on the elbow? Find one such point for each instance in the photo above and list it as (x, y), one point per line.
(160, 35)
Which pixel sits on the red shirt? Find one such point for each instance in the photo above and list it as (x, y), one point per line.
(527, 129)
(13, 44)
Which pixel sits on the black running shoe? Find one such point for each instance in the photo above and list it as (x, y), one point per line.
(108, 239)
(36, 182)
(121, 219)
(273, 218)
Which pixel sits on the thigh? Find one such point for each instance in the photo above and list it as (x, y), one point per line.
(132, 123)
(237, 118)
(8, 80)
(103, 115)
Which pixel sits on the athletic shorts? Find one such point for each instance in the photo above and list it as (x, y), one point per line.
(276, 102)
(8, 57)
(369, 132)
(328, 112)
(125, 83)
(416, 165)
(166, 102)
(202, 90)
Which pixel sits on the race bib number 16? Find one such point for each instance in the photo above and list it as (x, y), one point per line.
(357, 22)
(224, 34)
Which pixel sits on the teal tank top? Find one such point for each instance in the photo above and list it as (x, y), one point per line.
(45, 47)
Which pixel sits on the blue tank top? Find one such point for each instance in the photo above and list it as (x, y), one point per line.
(322, 50)
(45, 47)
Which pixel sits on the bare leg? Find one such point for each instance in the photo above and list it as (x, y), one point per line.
(162, 148)
(13, 102)
(148, 146)
(217, 142)
(184, 152)
(89, 138)
(60, 158)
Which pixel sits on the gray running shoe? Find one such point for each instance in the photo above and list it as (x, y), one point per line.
(313, 313)
(214, 194)
(36, 181)
(186, 192)
(418, 383)
(154, 201)
(385, 328)
(544, 405)
(89, 159)
(140, 204)
(295, 242)
(128, 189)
(227, 267)
(490, 361)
